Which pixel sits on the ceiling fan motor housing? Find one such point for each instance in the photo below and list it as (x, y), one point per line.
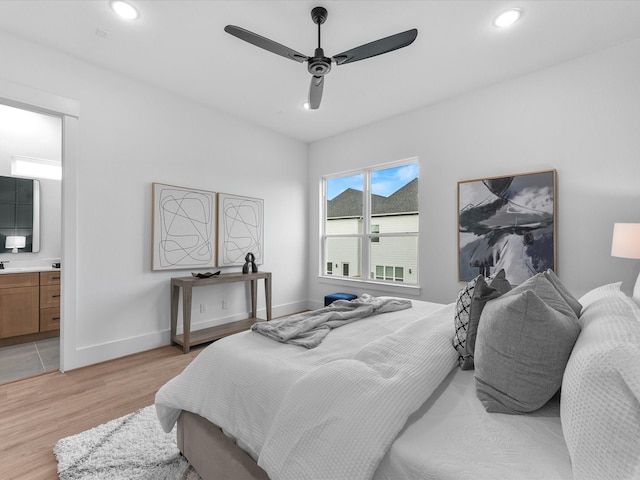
(319, 65)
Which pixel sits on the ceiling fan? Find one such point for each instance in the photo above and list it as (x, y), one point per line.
(319, 65)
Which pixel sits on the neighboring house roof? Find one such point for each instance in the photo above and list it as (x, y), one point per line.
(349, 202)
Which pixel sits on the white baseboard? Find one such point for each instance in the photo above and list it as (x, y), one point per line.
(102, 352)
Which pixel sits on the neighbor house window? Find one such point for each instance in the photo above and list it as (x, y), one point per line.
(386, 272)
(370, 223)
(375, 229)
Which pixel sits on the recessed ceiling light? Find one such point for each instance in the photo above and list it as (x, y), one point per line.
(306, 105)
(124, 9)
(508, 18)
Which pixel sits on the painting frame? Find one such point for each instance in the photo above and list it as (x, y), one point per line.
(240, 229)
(494, 211)
(184, 223)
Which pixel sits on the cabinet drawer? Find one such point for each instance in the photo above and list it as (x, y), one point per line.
(49, 319)
(50, 278)
(49, 296)
(10, 280)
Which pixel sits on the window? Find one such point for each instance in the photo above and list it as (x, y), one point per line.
(370, 224)
(35, 167)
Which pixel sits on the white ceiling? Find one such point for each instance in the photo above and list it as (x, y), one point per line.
(180, 45)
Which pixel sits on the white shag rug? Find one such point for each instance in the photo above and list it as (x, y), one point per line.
(130, 447)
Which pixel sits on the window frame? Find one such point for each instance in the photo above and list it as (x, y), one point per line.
(366, 235)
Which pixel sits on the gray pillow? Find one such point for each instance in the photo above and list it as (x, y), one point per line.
(482, 293)
(523, 344)
(562, 290)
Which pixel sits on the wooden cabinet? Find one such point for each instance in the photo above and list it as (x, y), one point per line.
(29, 303)
(19, 304)
(49, 301)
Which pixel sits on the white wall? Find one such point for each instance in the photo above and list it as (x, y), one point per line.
(581, 118)
(130, 135)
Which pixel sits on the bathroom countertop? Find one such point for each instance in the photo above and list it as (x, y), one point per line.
(42, 268)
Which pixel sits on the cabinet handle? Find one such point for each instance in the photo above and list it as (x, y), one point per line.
(55, 296)
(55, 278)
(55, 318)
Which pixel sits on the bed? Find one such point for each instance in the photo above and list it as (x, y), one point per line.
(384, 398)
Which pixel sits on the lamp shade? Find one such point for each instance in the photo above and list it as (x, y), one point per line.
(626, 240)
(16, 241)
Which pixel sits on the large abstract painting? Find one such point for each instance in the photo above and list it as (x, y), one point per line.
(507, 222)
(184, 222)
(240, 229)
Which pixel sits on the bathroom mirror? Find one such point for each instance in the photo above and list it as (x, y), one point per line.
(19, 215)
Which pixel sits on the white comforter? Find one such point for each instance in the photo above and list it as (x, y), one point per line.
(330, 412)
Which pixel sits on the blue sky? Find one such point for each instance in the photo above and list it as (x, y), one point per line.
(383, 182)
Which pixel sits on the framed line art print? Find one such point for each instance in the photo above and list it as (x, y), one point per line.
(240, 229)
(183, 228)
(507, 222)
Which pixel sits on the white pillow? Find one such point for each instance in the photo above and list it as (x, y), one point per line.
(599, 293)
(600, 402)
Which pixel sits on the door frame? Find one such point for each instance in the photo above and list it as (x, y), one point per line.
(27, 98)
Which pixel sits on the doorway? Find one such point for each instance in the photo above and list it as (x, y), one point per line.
(31, 147)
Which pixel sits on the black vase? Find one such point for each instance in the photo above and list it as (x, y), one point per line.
(250, 263)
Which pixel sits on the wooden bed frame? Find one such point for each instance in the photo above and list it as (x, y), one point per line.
(214, 455)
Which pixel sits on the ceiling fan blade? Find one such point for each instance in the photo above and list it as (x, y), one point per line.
(262, 42)
(315, 92)
(378, 47)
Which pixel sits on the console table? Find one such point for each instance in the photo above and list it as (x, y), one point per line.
(189, 338)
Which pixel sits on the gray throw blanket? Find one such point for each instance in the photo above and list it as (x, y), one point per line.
(308, 329)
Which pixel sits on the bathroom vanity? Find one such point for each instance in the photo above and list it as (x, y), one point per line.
(29, 304)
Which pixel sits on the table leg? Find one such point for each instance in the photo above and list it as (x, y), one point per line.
(175, 298)
(267, 295)
(254, 299)
(186, 318)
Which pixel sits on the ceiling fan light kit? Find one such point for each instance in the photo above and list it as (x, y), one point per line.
(319, 65)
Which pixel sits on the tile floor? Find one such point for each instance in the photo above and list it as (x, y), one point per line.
(28, 359)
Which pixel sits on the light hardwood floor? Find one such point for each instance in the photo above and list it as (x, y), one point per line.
(36, 412)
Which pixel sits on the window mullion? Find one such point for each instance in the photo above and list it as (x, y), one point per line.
(366, 226)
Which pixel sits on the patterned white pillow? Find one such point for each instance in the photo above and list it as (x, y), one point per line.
(461, 319)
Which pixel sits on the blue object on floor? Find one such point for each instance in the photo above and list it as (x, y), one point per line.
(329, 299)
